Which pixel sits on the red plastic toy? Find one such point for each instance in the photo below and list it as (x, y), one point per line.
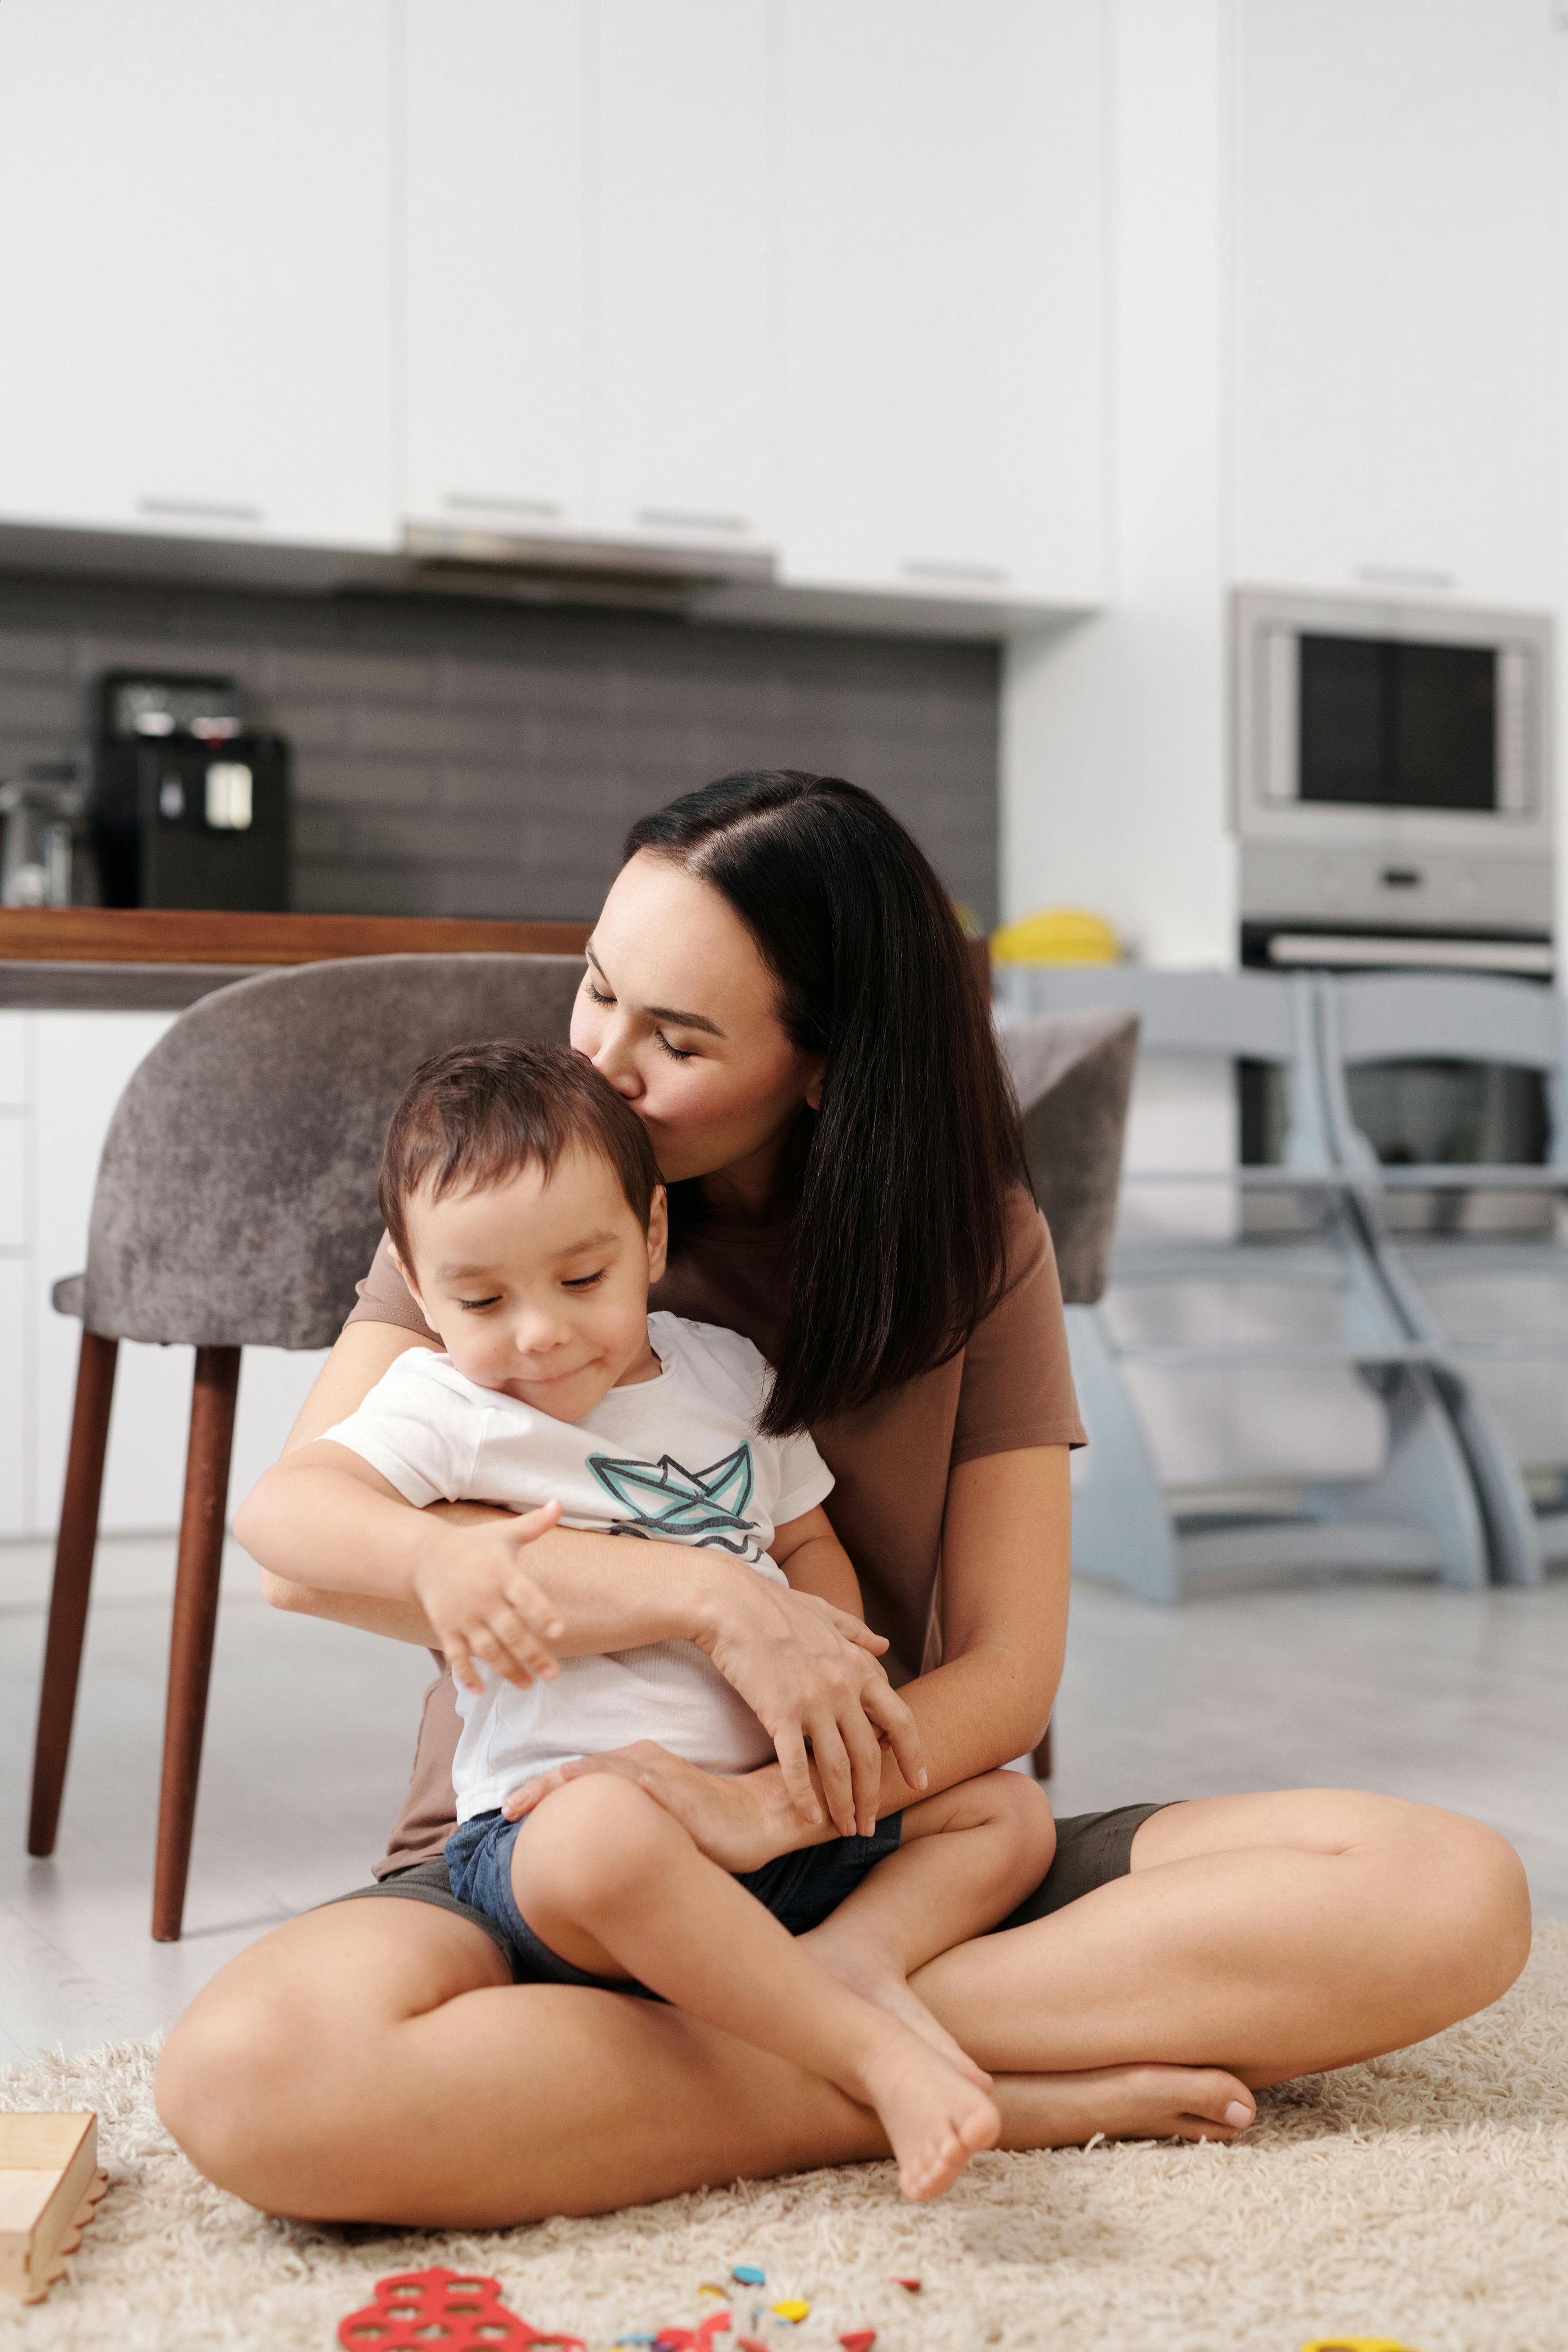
(693, 2339)
(443, 2311)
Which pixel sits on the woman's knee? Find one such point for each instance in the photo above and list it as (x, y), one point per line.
(1455, 1904)
(265, 2079)
(232, 2080)
(1486, 1899)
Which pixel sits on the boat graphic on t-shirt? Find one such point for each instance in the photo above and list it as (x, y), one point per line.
(700, 1506)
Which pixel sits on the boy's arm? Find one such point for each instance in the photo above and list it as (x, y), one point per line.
(335, 1519)
(324, 1519)
(814, 1561)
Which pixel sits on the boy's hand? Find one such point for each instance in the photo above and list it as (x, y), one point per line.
(482, 1605)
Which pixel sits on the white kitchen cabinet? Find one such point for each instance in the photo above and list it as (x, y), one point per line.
(939, 407)
(587, 269)
(195, 271)
(495, 148)
(681, 305)
(1398, 333)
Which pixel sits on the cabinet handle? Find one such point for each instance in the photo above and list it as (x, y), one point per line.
(988, 574)
(685, 519)
(200, 509)
(1402, 575)
(472, 502)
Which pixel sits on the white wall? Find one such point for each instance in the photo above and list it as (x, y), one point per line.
(1112, 760)
(1338, 256)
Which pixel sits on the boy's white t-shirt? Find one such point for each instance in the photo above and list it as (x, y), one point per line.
(677, 1458)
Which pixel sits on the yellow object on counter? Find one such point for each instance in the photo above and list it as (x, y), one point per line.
(1056, 935)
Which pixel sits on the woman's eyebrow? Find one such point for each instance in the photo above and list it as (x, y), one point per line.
(683, 1020)
(664, 1012)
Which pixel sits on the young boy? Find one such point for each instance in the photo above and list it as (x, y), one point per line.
(524, 1203)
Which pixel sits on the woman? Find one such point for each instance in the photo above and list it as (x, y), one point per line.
(778, 986)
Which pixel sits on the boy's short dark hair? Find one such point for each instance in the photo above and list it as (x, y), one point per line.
(477, 1114)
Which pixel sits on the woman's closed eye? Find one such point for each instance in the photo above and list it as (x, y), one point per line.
(601, 996)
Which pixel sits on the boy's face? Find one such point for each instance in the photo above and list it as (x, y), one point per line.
(538, 1286)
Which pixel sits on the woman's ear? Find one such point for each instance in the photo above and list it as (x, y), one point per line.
(657, 1233)
(815, 1079)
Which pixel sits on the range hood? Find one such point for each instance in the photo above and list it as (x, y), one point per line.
(455, 560)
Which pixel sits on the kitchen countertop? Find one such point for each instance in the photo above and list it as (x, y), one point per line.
(150, 959)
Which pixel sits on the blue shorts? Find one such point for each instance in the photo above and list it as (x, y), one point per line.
(799, 1889)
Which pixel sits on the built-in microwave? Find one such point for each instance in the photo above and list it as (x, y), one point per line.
(1393, 766)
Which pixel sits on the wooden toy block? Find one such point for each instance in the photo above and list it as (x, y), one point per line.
(49, 2183)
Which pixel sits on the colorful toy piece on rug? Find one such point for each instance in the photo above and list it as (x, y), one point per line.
(454, 2310)
(1355, 2344)
(418, 2311)
(49, 2184)
(693, 2339)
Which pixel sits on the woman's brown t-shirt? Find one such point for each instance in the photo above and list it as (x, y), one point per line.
(1010, 1387)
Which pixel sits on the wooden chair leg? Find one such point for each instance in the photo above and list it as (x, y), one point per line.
(1043, 1757)
(213, 1394)
(74, 1548)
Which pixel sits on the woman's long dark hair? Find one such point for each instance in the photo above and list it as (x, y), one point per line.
(900, 1242)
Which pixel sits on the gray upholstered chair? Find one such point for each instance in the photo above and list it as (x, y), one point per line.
(236, 1207)
(1073, 1072)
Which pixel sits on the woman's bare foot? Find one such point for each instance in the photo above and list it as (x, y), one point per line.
(934, 2117)
(1124, 2103)
(874, 1978)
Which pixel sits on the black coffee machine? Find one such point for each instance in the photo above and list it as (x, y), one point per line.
(187, 806)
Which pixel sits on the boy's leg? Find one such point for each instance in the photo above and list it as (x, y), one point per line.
(612, 1883)
(966, 1858)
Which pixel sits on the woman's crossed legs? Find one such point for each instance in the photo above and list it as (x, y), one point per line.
(372, 2060)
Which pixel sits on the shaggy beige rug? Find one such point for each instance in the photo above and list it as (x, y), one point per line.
(1424, 2196)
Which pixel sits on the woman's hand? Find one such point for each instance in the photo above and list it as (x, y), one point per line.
(739, 1820)
(810, 1672)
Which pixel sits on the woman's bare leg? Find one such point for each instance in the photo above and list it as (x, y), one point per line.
(373, 2061)
(1273, 1936)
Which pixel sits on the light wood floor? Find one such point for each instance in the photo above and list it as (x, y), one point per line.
(1455, 1698)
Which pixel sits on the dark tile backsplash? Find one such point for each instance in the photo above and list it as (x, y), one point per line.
(468, 759)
